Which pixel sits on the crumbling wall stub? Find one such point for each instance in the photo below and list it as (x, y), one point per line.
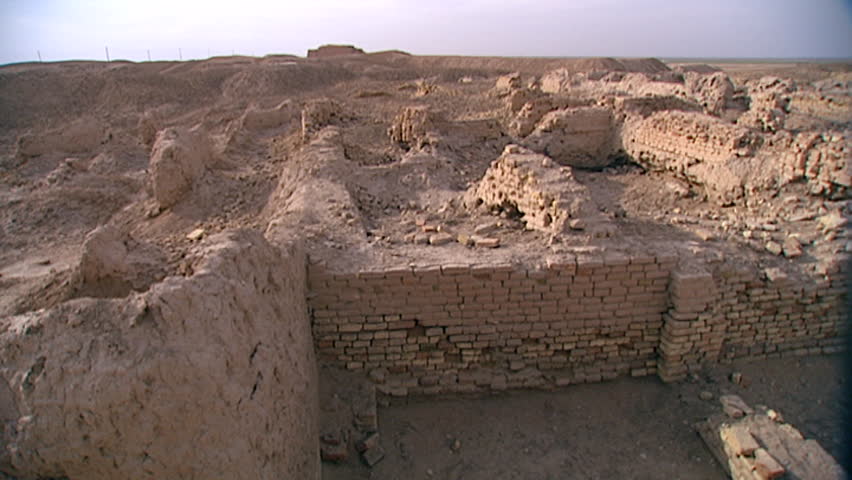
(179, 158)
(317, 114)
(80, 136)
(546, 194)
(416, 127)
(827, 165)
(714, 91)
(209, 376)
(578, 137)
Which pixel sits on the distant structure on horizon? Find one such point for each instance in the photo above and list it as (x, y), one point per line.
(334, 51)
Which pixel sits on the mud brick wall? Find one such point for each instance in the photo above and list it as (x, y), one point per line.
(776, 315)
(462, 328)
(675, 140)
(836, 108)
(740, 312)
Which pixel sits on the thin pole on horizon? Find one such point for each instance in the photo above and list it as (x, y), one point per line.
(180, 55)
(149, 55)
(106, 49)
(39, 56)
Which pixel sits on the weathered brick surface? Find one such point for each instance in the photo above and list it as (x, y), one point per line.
(460, 328)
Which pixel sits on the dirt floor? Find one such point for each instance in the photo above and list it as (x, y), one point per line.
(636, 428)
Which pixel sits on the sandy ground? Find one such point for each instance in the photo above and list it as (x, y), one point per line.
(636, 428)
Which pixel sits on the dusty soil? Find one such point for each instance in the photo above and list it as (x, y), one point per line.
(628, 428)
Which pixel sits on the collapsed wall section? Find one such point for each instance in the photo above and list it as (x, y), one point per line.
(207, 376)
(456, 328)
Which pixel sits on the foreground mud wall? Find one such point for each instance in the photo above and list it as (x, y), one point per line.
(458, 328)
(201, 377)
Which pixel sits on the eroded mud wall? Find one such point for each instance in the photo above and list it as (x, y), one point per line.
(206, 376)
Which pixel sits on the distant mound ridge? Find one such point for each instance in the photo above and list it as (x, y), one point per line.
(644, 65)
(538, 65)
(701, 68)
(334, 51)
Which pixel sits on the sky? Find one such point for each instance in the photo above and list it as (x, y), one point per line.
(172, 29)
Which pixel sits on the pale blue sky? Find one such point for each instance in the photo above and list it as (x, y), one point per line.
(80, 29)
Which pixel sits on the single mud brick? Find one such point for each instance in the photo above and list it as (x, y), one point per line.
(486, 242)
(765, 466)
(333, 453)
(440, 239)
(421, 239)
(195, 235)
(738, 440)
(331, 438)
(792, 247)
(776, 275)
(369, 442)
(373, 456)
(774, 248)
